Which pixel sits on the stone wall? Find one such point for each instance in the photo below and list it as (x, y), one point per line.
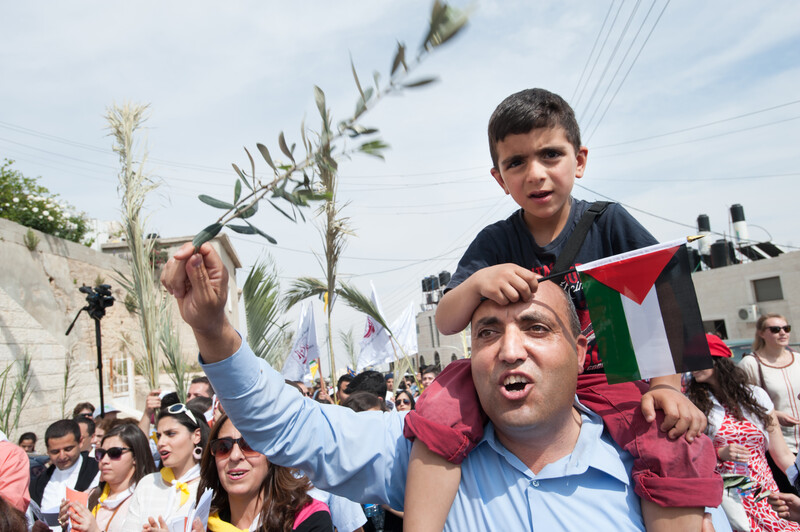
(39, 297)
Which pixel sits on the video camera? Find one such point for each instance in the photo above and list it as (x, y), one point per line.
(98, 298)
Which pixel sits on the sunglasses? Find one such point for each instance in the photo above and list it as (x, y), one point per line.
(402, 402)
(114, 453)
(775, 329)
(223, 447)
(180, 408)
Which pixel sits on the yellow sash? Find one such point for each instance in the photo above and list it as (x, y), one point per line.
(103, 497)
(215, 524)
(169, 477)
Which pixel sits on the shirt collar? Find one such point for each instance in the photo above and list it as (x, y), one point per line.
(593, 449)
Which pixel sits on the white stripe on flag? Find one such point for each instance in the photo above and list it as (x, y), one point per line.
(648, 336)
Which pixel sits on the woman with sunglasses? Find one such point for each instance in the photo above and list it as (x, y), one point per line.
(742, 427)
(182, 435)
(252, 494)
(776, 368)
(124, 459)
(404, 401)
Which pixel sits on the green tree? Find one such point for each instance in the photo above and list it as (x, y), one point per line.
(25, 201)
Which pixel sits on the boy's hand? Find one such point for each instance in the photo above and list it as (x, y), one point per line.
(505, 283)
(680, 414)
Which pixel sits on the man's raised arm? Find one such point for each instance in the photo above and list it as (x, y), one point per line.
(199, 283)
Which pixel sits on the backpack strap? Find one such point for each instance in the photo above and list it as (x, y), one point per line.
(567, 257)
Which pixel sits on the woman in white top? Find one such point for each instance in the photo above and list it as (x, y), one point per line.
(742, 426)
(182, 434)
(124, 459)
(776, 368)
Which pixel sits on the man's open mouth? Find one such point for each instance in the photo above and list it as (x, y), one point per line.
(515, 383)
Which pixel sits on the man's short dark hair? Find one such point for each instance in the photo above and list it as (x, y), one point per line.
(524, 111)
(368, 381)
(363, 401)
(434, 369)
(203, 379)
(90, 425)
(200, 403)
(27, 436)
(61, 428)
(344, 378)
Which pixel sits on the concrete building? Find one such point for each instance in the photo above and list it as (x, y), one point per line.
(435, 348)
(732, 297)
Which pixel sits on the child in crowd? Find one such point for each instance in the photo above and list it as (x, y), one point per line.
(536, 152)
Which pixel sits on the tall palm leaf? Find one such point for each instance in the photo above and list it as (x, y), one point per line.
(262, 295)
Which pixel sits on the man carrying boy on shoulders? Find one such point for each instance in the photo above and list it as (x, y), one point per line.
(534, 141)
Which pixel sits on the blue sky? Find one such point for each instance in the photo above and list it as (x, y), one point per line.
(222, 76)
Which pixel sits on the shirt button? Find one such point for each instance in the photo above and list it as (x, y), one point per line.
(535, 483)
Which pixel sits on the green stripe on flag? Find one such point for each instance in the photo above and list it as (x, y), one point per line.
(611, 331)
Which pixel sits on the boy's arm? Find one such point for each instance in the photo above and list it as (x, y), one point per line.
(503, 284)
(680, 414)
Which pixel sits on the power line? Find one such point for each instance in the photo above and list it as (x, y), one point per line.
(625, 77)
(621, 63)
(699, 126)
(591, 53)
(611, 59)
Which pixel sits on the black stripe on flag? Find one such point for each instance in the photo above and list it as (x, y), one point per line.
(681, 315)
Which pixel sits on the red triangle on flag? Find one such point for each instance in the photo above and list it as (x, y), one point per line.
(633, 277)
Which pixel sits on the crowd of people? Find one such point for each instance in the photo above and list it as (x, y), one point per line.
(525, 434)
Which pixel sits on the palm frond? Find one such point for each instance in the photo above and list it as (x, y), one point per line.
(174, 364)
(348, 340)
(262, 307)
(303, 288)
(360, 302)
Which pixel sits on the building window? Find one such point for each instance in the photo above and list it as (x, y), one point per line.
(768, 289)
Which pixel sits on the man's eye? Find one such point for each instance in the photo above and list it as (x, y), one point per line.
(485, 333)
(539, 328)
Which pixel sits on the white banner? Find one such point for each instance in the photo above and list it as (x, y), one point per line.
(376, 345)
(305, 348)
(405, 332)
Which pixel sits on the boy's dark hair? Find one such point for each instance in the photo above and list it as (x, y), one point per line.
(363, 401)
(368, 381)
(82, 406)
(27, 436)
(205, 381)
(531, 109)
(90, 425)
(62, 428)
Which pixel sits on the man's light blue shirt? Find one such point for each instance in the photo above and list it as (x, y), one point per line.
(364, 456)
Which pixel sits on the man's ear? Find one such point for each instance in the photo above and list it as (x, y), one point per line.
(499, 178)
(581, 344)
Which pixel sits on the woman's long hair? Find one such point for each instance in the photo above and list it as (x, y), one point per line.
(410, 396)
(189, 423)
(283, 493)
(734, 393)
(133, 438)
(758, 342)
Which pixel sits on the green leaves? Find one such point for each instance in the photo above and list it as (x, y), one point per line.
(319, 97)
(374, 148)
(399, 58)
(206, 234)
(214, 202)
(420, 82)
(446, 23)
(265, 154)
(237, 191)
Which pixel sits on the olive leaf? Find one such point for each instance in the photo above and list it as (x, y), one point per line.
(206, 234)
(214, 202)
(265, 154)
(237, 191)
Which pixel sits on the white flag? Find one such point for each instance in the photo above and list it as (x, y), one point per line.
(375, 345)
(405, 332)
(305, 348)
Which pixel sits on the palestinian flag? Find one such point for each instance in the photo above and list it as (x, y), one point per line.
(645, 314)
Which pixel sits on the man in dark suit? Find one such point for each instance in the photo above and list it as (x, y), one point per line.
(70, 468)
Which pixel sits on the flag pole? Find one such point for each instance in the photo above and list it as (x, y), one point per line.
(551, 276)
